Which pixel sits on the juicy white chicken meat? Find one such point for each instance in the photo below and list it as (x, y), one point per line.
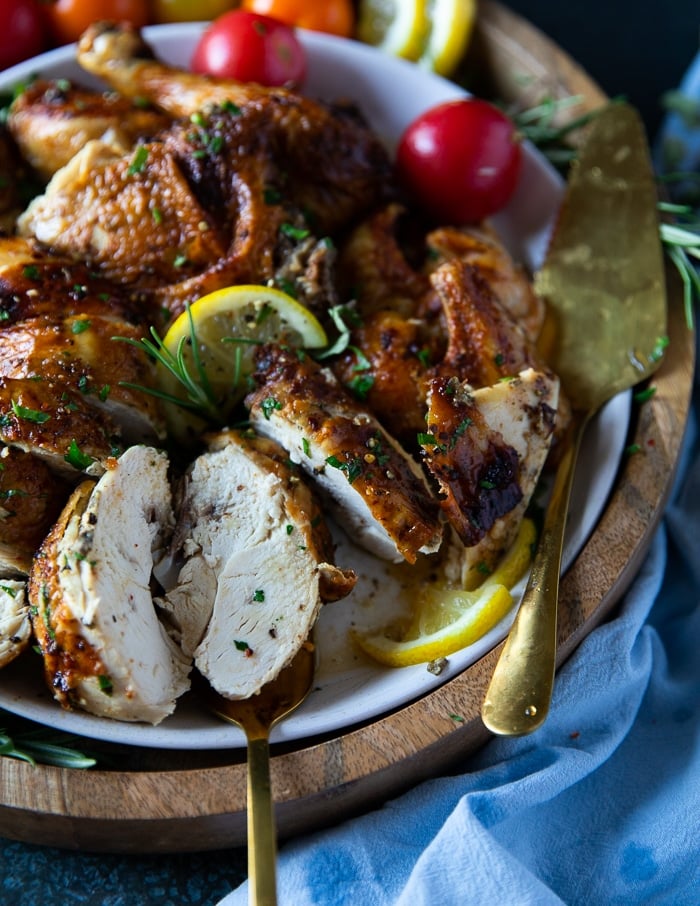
(376, 491)
(486, 448)
(229, 193)
(52, 120)
(15, 625)
(67, 389)
(31, 498)
(105, 650)
(256, 563)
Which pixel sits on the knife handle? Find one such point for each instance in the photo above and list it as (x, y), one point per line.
(519, 694)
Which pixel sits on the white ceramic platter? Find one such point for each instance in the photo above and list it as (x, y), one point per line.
(350, 689)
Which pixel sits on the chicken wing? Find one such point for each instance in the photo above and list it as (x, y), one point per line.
(52, 120)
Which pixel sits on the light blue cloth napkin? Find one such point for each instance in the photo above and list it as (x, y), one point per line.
(600, 806)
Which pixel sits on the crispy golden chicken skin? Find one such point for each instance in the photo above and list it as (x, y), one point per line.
(63, 376)
(52, 120)
(376, 490)
(31, 497)
(227, 194)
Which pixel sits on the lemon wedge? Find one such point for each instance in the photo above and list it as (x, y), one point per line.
(451, 27)
(447, 620)
(435, 33)
(398, 27)
(213, 342)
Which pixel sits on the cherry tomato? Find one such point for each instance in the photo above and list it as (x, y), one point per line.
(187, 11)
(461, 160)
(336, 17)
(250, 48)
(22, 34)
(68, 19)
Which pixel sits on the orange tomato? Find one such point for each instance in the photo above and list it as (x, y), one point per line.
(336, 17)
(68, 19)
(187, 11)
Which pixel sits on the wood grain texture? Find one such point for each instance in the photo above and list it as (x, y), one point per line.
(155, 803)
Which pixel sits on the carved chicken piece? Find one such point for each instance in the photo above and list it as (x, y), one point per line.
(376, 491)
(481, 248)
(386, 365)
(256, 563)
(486, 448)
(58, 354)
(105, 650)
(31, 498)
(57, 426)
(15, 624)
(484, 343)
(133, 216)
(374, 268)
(52, 120)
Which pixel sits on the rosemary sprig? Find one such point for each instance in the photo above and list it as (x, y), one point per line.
(542, 126)
(44, 746)
(199, 398)
(682, 244)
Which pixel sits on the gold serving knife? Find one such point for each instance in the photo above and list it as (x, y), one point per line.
(603, 281)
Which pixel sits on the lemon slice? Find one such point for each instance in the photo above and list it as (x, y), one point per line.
(447, 620)
(451, 27)
(478, 612)
(398, 27)
(213, 342)
(435, 33)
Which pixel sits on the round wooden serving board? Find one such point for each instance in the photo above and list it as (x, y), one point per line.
(157, 801)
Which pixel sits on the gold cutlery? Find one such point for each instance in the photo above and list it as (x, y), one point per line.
(603, 280)
(256, 716)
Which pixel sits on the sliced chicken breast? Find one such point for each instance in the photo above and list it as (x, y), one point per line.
(15, 625)
(256, 563)
(105, 650)
(376, 491)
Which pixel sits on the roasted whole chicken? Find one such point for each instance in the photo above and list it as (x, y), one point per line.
(423, 435)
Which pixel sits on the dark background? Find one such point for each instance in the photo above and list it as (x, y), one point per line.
(635, 49)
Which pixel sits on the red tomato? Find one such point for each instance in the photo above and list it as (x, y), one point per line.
(22, 34)
(461, 160)
(187, 11)
(68, 19)
(250, 48)
(337, 17)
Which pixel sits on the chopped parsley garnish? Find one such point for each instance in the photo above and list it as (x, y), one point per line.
(352, 468)
(105, 684)
(138, 161)
(294, 232)
(258, 595)
(30, 415)
(80, 325)
(269, 405)
(76, 458)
